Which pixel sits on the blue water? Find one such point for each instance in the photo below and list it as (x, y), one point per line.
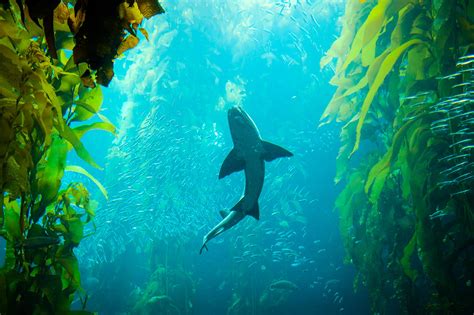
(169, 100)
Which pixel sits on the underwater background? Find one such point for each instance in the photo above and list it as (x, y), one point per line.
(169, 99)
(114, 126)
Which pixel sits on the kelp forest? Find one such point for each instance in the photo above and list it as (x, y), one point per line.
(403, 102)
(404, 98)
(54, 57)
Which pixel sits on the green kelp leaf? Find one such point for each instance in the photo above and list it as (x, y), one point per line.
(374, 68)
(80, 170)
(10, 257)
(337, 48)
(12, 219)
(68, 82)
(407, 254)
(354, 52)
(77, 194)
(16, 173)
(51, 287)
(368, 52)
(418, 61)
(377, 176)
(51, 94)
(406, 16)
(10, 76)
(354, 89)
(50, 171)
(375, 21)
(62, 57)
(128, 43)
(60, 228)
(405, 172)
(75, 229)
(70, 276)
(379, 172)
(71, 136)
(11, 30)
(385, 68)
(89, 103)
(64, 40)
(105, 126)
(347, 138)
(4, 290)
(349, 202)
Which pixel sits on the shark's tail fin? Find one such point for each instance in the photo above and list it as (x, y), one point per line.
(272, 151)
(202, 247)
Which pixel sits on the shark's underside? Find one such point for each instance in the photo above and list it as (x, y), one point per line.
(249, 154)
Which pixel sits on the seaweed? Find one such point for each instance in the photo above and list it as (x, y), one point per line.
(404, 95)
(47, 102)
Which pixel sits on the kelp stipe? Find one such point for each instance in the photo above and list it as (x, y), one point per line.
(404, 84)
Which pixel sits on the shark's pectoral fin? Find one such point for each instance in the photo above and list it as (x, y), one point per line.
(232, 163)
(272, 151)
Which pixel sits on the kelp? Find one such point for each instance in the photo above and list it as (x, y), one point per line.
(100, 32)
(404, 96)
(48, 100)
(98, 28)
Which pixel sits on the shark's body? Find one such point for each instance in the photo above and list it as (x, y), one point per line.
(249, 154)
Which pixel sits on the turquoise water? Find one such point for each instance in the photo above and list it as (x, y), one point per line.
(169, 100)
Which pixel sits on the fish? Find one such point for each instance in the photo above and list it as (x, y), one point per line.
(36, 242)
(248, 154)
(283, 285)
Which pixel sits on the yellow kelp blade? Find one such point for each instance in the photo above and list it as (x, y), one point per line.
(89, 104)
(375, 21)
(80, 170)
(72, 137)
(385, 68)
(405, 261)
(356, 88)
(50, 171)
(127, 44)
(11, 224)
(379, 172)
(354, 52)
(101, 125)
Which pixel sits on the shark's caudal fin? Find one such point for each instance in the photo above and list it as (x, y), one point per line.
(272, 151)
(204, 246)
(231, 164)
(254, 212)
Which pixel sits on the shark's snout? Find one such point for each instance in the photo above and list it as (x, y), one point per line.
(234, 112)
(236, 116)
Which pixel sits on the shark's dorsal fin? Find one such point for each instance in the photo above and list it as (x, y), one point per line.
(272, 151)
(231, 164)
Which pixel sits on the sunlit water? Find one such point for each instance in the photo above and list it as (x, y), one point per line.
(169, 100)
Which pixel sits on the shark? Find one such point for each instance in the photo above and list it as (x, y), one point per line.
(249, 154)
